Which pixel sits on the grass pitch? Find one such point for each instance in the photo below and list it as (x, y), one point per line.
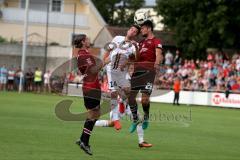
(29, 130)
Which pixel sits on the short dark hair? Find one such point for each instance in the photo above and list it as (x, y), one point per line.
(148, 24)
(137, 26)
(77, 40)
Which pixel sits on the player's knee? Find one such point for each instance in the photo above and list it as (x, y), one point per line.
(126, 93)
(131, 100)
(110, 123)
(145, 100)
(114, 94)
(94, 113)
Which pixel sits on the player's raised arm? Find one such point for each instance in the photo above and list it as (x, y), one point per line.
(106, 57)
(136, 55)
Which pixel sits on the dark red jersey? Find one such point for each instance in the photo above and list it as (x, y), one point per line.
(147, 51)
(85, 62)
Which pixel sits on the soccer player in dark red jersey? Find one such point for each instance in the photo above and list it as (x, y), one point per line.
(89, 66)
(149, 58)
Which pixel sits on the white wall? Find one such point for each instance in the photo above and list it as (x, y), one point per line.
(201, 98)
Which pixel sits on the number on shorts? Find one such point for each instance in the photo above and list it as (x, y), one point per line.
(113, 83)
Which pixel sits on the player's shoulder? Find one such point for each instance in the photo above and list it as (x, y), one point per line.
(83, 54)
(156, 40)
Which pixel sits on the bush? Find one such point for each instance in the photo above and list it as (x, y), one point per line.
(2, 40)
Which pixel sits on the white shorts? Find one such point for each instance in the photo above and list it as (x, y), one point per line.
(117, 80)
(3, 80)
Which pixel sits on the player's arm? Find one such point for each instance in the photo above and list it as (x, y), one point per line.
(109, 47)
(89, 64)
(137, 53)
(159, 56)
(106, 57)
(97, 67)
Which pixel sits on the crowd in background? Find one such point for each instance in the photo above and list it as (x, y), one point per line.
(217, 73)
(32, 80)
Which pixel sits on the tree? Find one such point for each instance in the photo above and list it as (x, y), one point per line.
(118, 12)
(202, 24)
(106, 8)
(126, 12)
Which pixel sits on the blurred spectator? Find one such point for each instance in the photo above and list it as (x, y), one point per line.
(238, 63)
(38, 80)
(47, 87)
(17, 78)
(168, 58)
(210, 57)
(3, 77)
(177, 58)
(11, 74)
(18, 75)
(29, 76)
(176, 89)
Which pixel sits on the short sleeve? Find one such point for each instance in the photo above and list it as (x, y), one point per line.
(158, 43)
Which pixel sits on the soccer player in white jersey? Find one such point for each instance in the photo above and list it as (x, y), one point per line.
(120, 55)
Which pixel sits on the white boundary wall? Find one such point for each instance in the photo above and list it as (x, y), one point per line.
(186, 97)
(201, 98)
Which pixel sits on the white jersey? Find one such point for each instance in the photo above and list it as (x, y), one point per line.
(119, 56)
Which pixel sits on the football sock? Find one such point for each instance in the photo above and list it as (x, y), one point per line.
(86, 133)
(102, 123)
(134, 110)
(122, 104)
(146, 108)
(140, 133)
(114, 108)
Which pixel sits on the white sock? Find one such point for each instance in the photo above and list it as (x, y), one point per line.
(128, 111)
(102, 123)
(140, 133)
(114, 108)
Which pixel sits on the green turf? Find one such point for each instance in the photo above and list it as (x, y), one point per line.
(29, 129)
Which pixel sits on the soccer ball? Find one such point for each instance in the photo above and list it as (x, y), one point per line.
(141, 16)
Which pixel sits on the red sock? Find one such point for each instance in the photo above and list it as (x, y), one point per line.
(121, 107)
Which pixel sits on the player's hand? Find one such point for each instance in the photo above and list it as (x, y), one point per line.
(134, 43)
(106, 61)
(157, 67)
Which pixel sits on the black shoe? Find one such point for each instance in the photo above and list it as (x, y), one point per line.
(85, 148)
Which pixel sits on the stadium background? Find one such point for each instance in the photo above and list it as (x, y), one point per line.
(30, 129)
